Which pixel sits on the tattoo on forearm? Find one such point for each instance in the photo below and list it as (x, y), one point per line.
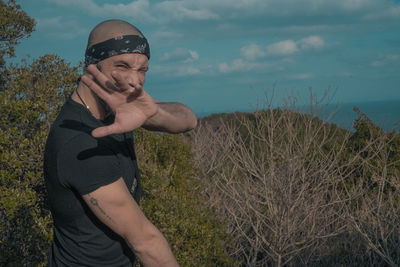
(95, 203)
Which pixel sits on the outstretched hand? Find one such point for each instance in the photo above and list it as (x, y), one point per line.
(131, 105)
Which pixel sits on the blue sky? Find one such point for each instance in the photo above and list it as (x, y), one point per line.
(225, 55)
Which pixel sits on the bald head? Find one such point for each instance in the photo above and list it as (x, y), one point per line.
(109, 29)
(114, 37)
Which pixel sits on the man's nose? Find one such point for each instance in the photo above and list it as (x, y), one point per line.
(133, 77)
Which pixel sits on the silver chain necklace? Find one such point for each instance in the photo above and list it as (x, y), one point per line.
(83, 102)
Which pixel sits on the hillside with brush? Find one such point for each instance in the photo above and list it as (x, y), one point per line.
(294, 190)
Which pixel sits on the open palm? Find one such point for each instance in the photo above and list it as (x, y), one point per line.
(131, 105)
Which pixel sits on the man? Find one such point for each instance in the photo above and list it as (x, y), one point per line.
(90, 167)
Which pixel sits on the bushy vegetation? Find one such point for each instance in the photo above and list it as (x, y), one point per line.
(30, 97)
(270, 188)
(15, 24)
(173, 204)
(29, 102)
(297, 191)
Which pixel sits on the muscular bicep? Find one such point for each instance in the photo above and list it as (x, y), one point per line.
(115, 207)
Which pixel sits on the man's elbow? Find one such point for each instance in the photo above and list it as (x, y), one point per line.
(189, 123)
(192, 122)
(151, 247)
(144, 245)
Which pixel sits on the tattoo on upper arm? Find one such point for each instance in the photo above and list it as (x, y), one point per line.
(95, 203)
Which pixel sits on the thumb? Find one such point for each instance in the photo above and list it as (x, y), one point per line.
(105, 130)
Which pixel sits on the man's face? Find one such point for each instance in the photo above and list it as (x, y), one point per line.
(131, 66)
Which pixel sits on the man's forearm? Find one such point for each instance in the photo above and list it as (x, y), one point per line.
(154, 251)
(171, 117)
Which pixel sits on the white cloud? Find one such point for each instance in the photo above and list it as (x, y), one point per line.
(43, 23)
(236, 65)
(282, 48)
(138, 9)
(187, 71)
(162, 12)
(252, 51)
(392, 12)
(59, 28)
(164, 37)
(300, 76)
(178, 11)
(180, 54)
(311, 42)
(175, 70)
(289, 47)
(193, 55)
(240, 15)
(386, 60)
(354, 5)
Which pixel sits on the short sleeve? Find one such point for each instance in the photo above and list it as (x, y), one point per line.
(86, 163)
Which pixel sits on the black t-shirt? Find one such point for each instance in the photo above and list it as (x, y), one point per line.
(76, 164)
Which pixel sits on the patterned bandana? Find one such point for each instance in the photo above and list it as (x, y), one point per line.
(116, 46)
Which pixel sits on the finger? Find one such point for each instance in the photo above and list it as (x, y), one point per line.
(115, 128)
(101, 78)
(123, 83)
(95, 88)
(106, 130)
(131, 87)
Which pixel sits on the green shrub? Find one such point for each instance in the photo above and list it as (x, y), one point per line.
(29, 102)
(172, 201)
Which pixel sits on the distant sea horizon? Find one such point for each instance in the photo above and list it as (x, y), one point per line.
(385, 114)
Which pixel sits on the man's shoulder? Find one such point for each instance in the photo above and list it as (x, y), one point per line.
(74, 119)
(72, 131)
(71, 124)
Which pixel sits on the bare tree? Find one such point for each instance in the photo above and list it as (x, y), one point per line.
(272, 182)
(279, 180)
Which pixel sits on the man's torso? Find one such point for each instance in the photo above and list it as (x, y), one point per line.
(75, 164)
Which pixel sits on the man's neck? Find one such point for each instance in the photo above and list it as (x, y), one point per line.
(84, 96)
